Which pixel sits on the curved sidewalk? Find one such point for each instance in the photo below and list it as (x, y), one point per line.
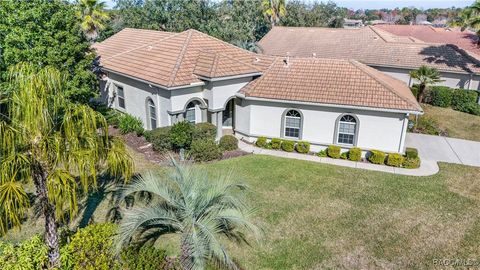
(427, 167)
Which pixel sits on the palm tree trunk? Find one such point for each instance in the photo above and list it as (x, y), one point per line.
(421, 92)
(48, 210)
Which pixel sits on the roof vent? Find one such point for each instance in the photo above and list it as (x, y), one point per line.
(257, 59)
(314, 54)
(150, 47)
(286, 61)
(375, 37)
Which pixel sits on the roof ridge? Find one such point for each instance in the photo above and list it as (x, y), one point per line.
(367, 70)
(213, 69)
(180, 57)
(219, 40)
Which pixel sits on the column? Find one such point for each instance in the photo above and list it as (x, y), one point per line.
(219, 124)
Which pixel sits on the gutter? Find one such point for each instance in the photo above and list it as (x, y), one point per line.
(412, 68)
(242, 96)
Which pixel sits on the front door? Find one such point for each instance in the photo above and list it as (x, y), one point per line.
(228, 114)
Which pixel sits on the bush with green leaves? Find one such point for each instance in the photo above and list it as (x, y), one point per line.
(261, 142)
(129, 123)
(205, 150)
(440, 96)
(461, 98)
(472, 108)
(344, 155)
(377, 157)
(276, 143)
(142, 258)
(288, 146)
(322, 153)
(303, 147)
(333, 151)
(228, 143)
(411, 163)
(30, 254)
(411, 152)
(181, 134)
(395, 159)
(428, 125)
(204, 130)
(90, 248)
(355, 154)
(160, 139)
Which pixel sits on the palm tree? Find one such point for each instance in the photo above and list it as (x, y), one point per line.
(469, 18)
(274, 9)
(92, 16)
(54, 144)
(425, 76)
(188, 203)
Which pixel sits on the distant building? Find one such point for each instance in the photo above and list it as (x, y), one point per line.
(379, 22)
(348, 23)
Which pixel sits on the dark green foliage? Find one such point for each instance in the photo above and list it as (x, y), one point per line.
(344, 155)
(414, 90)
(261, 142)
(276, 143)
(47, 33)
(395, 160)
(440, 96)
(160, 139)
(427, 125)
(472, 108)
(288, 146)
(129, 123)
(322, 153)
(411, 152)
(333, 151)
(204, 131)
(181, 135)
(461, 99)
(315, 14)
(302, 147)
(142, 258)
(377, 157)
(205, 150)
(228, 143)
(411, 163)
(30, 254)
(355, 154)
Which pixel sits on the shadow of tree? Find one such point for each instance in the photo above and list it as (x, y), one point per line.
(450, 55)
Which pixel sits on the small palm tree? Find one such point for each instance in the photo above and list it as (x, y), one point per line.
(187, 202)
(54, 144)
(92, 16)
(425, 76)
(274, 9)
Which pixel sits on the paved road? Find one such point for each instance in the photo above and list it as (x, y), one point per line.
(451, 150)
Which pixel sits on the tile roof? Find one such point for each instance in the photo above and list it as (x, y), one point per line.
(369, 45)
(327, 81)
(173, 59)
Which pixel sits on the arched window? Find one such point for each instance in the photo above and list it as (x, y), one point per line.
(347, 127)
(152, 113)
(293, 124)
(190, 113)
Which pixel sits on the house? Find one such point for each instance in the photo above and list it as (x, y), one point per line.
(392, 54)
(164, 78)
(349, 23)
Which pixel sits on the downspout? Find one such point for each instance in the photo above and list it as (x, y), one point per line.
(400, 145)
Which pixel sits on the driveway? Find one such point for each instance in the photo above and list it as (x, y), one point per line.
(451, 150)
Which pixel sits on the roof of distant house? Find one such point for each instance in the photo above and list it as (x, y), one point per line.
(369, 45)
(333, 82)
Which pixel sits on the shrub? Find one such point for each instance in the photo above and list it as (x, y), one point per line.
(440, 96)
(90, 248)
(355, 154)
(427, 125)
(142, 258)
(461, 98)
(205, 150)
(276, 143)
(129, 123)
(414, 90)
(377, 157)
(322, 153)
(204, 131)
(333, 151)
(113, 117)
(268, 145)
(261, 142)
(228, 143)
(303, 147)
(411, 152)
(181, 135)
(472, 108)
(395, 160)
(160, 139)
(30, 254)
(344, 155)
(288, 146)
(411, 163)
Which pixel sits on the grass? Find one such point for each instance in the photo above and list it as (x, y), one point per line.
(456, 124)
(319, 216)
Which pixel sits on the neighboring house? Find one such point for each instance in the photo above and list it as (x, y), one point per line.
(163, 78)
(348, 23)
(389, 53)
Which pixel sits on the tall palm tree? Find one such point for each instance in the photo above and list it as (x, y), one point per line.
(469, 18)
(425, 76)
(274, 9)
(54, 144)
(92, 16)
(188, 203)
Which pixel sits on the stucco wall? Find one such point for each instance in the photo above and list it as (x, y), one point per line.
(179, 98)
(377, 130)
(219, 92)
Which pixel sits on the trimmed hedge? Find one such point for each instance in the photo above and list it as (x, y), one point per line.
(204, 131)
(395, 160)
(411, 163)
(463, 97)
(355, 154)
(333, 151)
(322, 153)
(377, 157)
(302, 147)
(440, 96)
(160, 139)
(228, 143)
(143, 258)
(205, 150)
(181, 135)
(276, 143)
(261, 142)
(288, 146)
(411, 152)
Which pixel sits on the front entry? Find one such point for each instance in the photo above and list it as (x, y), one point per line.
(228, 115)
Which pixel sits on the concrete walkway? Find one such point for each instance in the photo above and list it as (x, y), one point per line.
(427, 167)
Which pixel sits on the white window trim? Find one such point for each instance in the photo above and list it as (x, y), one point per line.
(118, 97)
(349, 123)
(285, 125)
(152, 107)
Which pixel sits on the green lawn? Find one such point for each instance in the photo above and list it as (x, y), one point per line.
(323, 216)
